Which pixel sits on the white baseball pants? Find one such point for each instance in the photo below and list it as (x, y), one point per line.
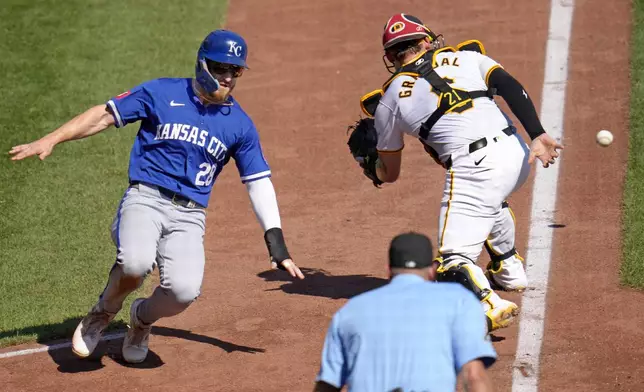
(476, 186)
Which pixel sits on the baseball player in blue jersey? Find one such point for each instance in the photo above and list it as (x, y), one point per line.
(410, 335)
(190, 128)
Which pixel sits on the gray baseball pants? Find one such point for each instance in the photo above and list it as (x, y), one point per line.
(150, 230)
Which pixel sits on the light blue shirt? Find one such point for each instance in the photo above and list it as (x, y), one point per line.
(409, 334)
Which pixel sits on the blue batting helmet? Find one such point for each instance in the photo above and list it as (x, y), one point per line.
(222, 46)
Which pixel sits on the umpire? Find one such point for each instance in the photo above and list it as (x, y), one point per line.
(411, 334)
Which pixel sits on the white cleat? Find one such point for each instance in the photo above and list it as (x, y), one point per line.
(135, 344)
(89, 332)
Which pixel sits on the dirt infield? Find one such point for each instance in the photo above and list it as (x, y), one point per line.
(593, 325)
(255, 330)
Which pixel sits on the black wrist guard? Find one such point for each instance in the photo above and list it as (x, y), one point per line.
(276, 246)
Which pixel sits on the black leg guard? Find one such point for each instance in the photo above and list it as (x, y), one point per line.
(497, 260)
(496, 256)
(461, 273)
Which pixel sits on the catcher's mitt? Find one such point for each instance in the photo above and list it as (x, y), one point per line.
(362, 144)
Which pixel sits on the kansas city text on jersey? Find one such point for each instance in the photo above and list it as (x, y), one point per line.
(194, 135)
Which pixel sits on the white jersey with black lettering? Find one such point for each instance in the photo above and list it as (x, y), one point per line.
(409, 101)
(480, 176)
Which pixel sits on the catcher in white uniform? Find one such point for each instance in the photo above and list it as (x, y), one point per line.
(444, 97)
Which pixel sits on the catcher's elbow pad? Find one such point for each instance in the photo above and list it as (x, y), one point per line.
(462, 273)
(473, 45)
(276, 245)
(369, 102)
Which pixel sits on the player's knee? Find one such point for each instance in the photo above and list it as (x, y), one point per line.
(454, 259)
(183, 294)
(135, 263)
(467, 274)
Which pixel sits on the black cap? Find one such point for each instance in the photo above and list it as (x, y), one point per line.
(411, 250)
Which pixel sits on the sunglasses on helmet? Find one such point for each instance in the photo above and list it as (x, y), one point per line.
(216, 68)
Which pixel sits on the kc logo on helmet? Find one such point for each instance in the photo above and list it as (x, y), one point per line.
(235, 48)
(396, 27)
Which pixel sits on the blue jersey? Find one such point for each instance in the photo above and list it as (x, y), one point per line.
(182, 145)
(409, 334)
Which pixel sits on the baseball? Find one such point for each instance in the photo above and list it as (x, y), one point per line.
(604, 138)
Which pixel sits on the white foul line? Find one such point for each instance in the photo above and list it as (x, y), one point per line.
(525, 375)
(53, 347)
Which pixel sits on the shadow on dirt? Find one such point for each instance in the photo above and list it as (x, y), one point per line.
(68, 363)
(61, 353)
(187, 335)
(321, 283)
(48, 333)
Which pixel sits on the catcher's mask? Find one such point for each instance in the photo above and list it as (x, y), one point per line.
(221, 51)
(403, 31)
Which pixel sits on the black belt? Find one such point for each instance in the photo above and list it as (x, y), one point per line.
(479, 144)
(173, 196)
(482, 142)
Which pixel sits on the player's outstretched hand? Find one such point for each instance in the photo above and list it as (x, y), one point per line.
(290, 266)
(41, 147)
(544, 148)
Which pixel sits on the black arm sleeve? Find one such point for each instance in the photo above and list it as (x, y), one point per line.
(518, 100)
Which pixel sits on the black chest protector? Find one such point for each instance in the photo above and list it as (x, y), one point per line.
(450, 100)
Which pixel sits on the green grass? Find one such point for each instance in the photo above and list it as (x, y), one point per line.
(632, 271)
(58, 58)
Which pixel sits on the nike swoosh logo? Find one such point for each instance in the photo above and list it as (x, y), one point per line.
(173, 103)
(479, 161)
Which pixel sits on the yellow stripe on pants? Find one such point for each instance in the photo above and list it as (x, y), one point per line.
(449, 205)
